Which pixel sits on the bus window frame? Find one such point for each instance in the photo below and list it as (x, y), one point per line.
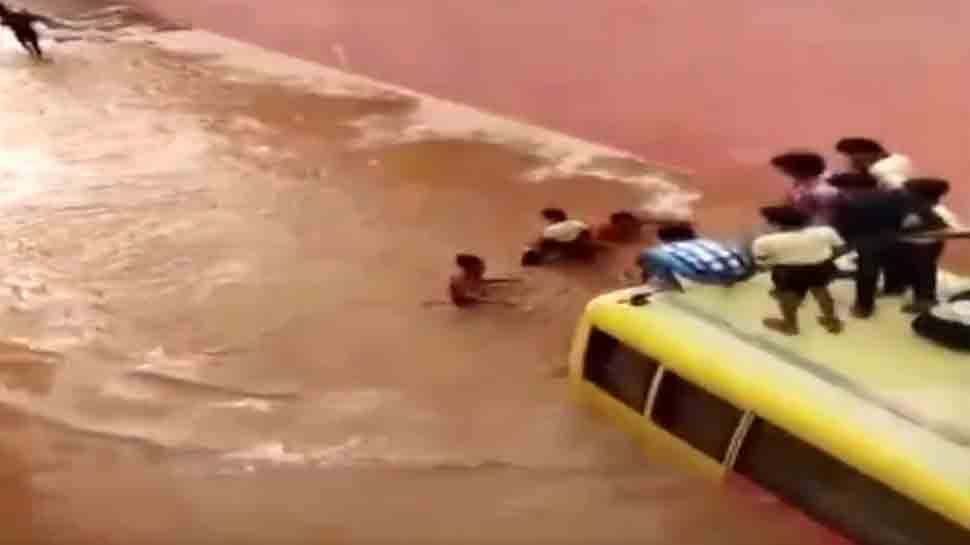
(745, 421)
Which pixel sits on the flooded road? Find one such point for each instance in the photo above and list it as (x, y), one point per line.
(215, 265)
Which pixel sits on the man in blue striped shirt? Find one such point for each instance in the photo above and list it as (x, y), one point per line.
(700, 260)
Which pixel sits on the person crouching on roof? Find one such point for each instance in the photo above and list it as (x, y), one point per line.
(809, 193)
(703, 261)
(562, 238)
(802, 260)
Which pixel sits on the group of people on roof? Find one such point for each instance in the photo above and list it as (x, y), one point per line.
(879, 209)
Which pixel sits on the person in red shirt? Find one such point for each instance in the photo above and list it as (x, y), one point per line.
(622, 227)
(469, 287)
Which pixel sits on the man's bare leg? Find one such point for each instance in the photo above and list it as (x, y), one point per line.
(788, 303)
(829, 319)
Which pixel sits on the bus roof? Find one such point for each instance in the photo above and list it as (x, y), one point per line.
(877, 387)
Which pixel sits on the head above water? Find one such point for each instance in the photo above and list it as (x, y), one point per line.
(786, 217)
(801, 165)
(929, 189)
(862, 152)
(676, 232)
(470, 263)
(554, 215)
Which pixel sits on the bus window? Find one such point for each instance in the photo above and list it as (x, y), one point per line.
(618, 370)
(861, 508)
(704, 421)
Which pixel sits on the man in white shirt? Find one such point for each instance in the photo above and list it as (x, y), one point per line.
(562, 238)
(802, 260)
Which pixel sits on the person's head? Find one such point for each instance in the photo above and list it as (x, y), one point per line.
(852, 181)
(470, 264)
(784, 217)
(554, 215)
(930, 190)
(800, 165)
(862, 152)
(624, 220)
(676, 232)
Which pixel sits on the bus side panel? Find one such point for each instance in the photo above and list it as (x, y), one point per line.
(803, 524)
(655, 442)
(809, 421)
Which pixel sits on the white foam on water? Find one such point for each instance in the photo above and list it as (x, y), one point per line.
(434, 118)
(272, 451)
(358, 401)
(248, 404)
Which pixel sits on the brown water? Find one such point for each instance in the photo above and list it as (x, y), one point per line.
(213, 320)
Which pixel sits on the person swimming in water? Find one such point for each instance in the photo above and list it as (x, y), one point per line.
(563, 238)
(21, 24)
(622, 227)
(469, 287)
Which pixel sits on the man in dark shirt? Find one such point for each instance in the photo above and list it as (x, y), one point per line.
(872, 221)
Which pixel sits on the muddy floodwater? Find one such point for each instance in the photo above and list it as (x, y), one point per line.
(212, 285)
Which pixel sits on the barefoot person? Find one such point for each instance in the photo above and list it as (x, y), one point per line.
(469, 286)
(21, 24)
(801, 259)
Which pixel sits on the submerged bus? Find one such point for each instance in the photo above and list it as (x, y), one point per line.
(866, 433)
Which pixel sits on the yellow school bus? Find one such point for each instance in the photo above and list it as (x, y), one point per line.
(866, 432)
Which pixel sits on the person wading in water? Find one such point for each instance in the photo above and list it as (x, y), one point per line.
(21, 24)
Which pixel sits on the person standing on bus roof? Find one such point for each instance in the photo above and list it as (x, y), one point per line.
(920, 257)
(872, 222)
(622, 227)
(809, 193)
(862, 153)
(802, 260)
